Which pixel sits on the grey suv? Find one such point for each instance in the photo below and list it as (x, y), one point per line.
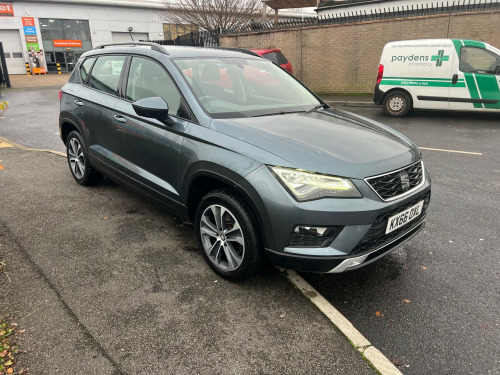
(236, 145)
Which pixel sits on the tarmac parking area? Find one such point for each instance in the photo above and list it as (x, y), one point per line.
(112, 284)
(433, 304)
(104, 282)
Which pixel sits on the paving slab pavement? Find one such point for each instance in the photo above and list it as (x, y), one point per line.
(105, 282)
(18, 81)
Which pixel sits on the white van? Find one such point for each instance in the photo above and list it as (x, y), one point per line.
(448, 74)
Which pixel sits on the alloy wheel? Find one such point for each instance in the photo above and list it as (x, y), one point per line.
(222, 238)
(76, 158)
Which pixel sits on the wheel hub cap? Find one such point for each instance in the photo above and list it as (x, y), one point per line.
(396, 104)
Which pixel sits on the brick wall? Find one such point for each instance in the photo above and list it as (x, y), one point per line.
(344, 58)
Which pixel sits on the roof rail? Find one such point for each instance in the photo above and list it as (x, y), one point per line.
(154, 46)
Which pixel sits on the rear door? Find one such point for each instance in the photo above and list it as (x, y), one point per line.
(96, 101)
(150, 150)
(476, 68)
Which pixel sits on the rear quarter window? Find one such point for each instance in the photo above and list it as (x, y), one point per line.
(85, 68)
(276, 57)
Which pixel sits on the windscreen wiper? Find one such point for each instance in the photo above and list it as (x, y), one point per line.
(315, 108)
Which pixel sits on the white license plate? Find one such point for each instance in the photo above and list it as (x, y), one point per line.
(397, 221)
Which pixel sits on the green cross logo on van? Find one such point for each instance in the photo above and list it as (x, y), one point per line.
(439, 58)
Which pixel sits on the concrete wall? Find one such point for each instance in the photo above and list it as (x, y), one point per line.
(345, 58)
(103, 20)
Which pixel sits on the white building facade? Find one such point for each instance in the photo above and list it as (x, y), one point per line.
(64, 30)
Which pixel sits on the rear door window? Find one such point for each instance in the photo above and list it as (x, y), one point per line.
(106, 73)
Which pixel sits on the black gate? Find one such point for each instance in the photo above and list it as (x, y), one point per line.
(195, 39)
(4, 73)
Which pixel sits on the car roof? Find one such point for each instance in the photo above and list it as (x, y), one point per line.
(170, 51)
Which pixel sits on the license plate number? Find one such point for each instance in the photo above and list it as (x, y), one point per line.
(397, 221)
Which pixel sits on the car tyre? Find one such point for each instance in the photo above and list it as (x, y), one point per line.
(397, 104)
(79, 164)
(228, 235)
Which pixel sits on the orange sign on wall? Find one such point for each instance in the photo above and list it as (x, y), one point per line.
(67, 43)
(6, 10)
(28, 21)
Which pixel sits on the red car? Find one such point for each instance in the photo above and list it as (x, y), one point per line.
(276, 57)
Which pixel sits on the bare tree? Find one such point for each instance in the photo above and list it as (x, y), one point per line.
(212, 14)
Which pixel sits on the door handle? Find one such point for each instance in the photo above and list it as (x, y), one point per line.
(121, 119)
(454, 79)
(77, 102)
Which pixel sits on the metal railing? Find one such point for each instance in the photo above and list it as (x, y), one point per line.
(211, 38)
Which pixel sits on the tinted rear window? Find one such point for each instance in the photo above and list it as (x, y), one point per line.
(276, 57)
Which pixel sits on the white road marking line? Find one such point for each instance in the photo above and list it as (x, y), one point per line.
(455, 151)
(372, 354)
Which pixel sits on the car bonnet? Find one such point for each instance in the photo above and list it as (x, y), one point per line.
(330, 141)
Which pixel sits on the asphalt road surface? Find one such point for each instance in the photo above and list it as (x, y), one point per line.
(433, 305)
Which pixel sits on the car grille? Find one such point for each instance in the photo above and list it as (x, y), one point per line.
(376, 237)
(389, 186)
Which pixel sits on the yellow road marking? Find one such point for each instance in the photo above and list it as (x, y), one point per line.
(5, 144)
(455, 151)
(9, 143)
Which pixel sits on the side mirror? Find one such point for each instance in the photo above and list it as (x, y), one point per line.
(154, 107)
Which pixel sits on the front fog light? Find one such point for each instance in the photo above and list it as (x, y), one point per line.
(307, 236)
(309, 185)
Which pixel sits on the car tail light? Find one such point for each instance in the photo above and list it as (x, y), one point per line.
(60, 94)
(380, 73)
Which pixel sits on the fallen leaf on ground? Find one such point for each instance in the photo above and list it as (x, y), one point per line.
(406, 300)
(106, 218)
(424, 268)
(396, 362)
(378, 313)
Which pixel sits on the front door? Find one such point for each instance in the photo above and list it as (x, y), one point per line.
(70, 60)
(150, 150)
(476, 82)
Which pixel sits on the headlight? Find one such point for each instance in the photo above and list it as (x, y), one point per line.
(308, 185)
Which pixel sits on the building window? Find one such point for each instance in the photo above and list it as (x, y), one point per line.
(73, 39)
(64, 29)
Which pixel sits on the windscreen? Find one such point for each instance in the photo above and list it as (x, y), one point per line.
(239, 87)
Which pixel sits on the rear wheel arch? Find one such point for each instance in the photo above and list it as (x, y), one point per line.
(66, 128)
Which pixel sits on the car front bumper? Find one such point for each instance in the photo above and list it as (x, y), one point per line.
(361, 240)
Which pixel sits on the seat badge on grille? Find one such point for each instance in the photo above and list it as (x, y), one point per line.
(405, 181)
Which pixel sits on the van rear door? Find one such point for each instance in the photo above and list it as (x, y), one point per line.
(476, 79)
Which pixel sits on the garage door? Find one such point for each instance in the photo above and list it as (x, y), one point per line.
(127, 37)
(13, 49)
